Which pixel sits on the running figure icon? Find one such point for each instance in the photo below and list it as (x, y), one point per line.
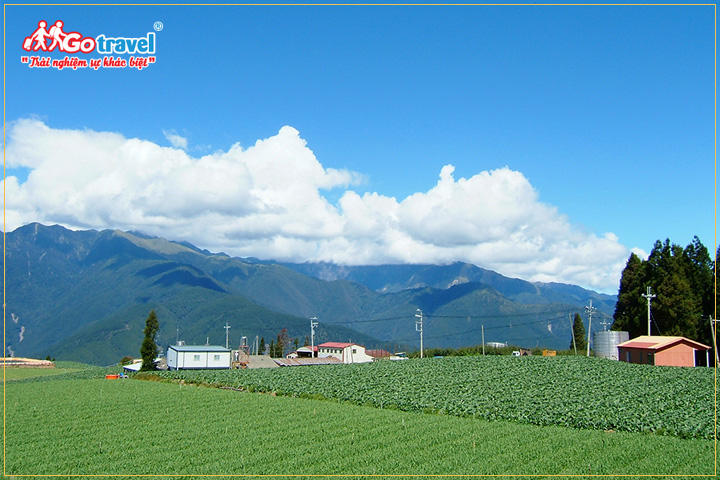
(39, 36)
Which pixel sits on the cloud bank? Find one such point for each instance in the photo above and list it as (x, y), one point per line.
(267, 201)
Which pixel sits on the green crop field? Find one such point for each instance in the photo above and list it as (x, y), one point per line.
(577, 392)
(22, 373)
(63, 426)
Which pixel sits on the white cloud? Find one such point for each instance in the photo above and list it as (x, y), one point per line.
(176, 140)
(266, 201)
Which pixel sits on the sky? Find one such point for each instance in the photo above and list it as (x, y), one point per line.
(543, 142)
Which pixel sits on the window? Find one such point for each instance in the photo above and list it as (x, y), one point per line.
(216, 358)
(354, 351)
(196, 358)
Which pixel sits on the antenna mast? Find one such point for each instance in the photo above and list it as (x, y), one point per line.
(649, 296)
(227, 335)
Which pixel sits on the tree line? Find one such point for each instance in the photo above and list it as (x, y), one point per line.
(683, 282)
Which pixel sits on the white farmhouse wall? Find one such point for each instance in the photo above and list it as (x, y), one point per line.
(182, 357)
(347, 353)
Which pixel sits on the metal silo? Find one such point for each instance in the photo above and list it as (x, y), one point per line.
(605, 343)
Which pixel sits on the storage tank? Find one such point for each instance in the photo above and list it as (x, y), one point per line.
(605, 343)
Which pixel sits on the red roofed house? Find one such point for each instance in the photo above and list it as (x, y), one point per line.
(346, 352)
(658, 350)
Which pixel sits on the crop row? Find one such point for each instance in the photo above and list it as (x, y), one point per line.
(566, 391)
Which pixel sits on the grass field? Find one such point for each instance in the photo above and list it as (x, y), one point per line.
(61, 426)
(61, 368)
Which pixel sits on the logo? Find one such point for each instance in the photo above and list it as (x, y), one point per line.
(44, 40)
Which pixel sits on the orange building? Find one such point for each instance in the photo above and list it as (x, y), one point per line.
(659, 350)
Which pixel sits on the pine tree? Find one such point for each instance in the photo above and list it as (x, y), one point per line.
(629, 308)
(261, 346)
(148, 349)
(578, 331)
(682, 279)
(272, 349)
(283, 342)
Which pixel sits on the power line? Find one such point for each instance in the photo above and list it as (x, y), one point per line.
(488, 316)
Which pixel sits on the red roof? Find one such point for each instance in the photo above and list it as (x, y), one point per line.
(336, 345)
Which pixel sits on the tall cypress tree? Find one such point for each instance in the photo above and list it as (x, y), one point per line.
(578, 331)
(148, 349)
(628, 309)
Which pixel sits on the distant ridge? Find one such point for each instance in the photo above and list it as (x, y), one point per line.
(84, 296)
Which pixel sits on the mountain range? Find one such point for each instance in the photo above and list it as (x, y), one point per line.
(85, 295)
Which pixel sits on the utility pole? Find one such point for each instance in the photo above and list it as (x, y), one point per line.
(713, 327)
(313, 324)
(227, 335)
(482, 329)
(419, 328)
(590, 311)
(649, 296)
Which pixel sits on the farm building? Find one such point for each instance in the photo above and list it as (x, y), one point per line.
(345, 352)
(21, 362)
(379, 354)
(197, 356)
(304, 352)
(305, 361)
(660, 350)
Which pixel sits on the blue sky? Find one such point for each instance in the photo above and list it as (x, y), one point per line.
(600, 117)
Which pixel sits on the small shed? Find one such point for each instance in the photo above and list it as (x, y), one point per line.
(197, 357)
(379, 354)
(304, 352)
(660, 350)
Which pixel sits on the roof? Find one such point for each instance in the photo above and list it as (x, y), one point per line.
(658, 342)
(306, 348)
(295, 362)
(198, 348)
(261, 361)
(134, 367)
(337, 345)
(379, 353)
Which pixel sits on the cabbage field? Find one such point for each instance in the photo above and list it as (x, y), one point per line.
(577, 392)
